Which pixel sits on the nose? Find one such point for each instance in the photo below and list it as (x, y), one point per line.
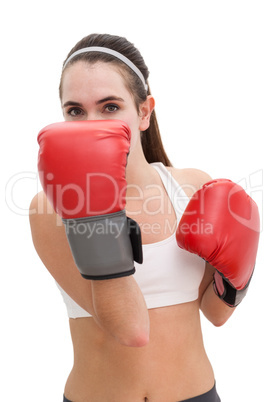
(94, 116)
(91, 116)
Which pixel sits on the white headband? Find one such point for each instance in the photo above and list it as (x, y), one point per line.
(113, 53)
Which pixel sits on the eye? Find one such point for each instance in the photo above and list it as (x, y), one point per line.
(111, 108)
(75, 111)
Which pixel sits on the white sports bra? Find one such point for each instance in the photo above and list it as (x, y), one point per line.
(168, 274)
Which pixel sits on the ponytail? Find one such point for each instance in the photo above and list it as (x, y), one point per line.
(152, 143)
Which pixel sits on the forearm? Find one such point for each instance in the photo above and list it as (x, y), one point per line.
(214, 309)
(120, 309)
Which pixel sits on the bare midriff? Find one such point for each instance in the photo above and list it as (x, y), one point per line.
(172, 367)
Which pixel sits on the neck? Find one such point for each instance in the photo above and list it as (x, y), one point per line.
(137, 166)
(140, 175)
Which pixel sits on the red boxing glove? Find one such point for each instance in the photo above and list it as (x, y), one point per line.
(221, 224)
(82, 170)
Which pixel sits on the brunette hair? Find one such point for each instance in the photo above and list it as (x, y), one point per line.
(151, 139)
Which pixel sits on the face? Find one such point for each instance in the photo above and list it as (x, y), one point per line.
(98, 92)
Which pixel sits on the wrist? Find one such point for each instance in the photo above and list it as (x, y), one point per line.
(226, 292)
(101, 245)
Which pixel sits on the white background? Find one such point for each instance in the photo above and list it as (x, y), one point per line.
(209, 69)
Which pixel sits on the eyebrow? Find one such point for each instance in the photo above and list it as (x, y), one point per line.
(108, 98)
(71, 103)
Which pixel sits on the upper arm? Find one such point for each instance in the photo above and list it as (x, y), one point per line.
(52, 246)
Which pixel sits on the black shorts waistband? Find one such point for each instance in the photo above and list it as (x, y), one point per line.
(210, 396)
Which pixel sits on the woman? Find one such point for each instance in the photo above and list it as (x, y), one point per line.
(136, 338)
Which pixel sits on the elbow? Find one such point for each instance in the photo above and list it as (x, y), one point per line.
(135, 340)
(218, 322)
(216, 318)
(136, 336)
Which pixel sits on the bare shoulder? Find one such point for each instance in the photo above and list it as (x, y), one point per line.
(45, 224)
(190, 179)
(40, 209)
(47, 229)
(49, 239)
(51, 244)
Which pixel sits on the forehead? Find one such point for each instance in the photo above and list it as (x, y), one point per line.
(92, 79)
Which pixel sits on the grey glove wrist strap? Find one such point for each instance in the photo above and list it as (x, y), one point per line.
(102, 245)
